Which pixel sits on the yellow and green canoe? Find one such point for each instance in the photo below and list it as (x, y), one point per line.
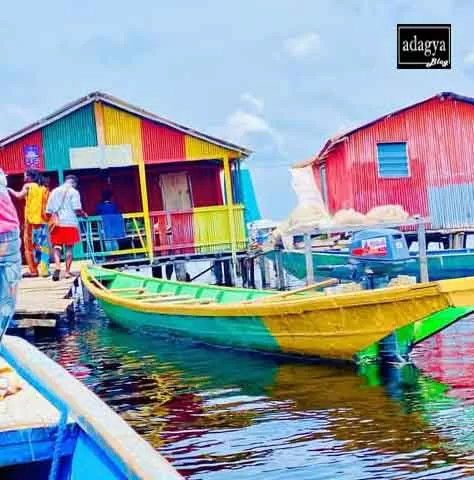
(347, 326)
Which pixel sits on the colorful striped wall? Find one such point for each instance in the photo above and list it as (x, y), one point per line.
(161, 143)
(75, 130)
(98, 123)
(122, 128)
(12, 156)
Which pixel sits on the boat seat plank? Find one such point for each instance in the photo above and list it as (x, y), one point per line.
(139, 296)
(174, 298)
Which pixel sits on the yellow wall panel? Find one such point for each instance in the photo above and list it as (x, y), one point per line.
(122, 128)
(197, 149)
(212, 229)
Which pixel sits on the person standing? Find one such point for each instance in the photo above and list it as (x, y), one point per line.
(35, 234)
(10, 256)
(63, 208)
(113, 226)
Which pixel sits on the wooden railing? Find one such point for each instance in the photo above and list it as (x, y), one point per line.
(199, 230)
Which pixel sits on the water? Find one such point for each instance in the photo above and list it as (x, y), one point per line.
(219, 414)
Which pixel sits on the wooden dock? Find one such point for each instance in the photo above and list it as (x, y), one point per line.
(41, 302)
(43, 297)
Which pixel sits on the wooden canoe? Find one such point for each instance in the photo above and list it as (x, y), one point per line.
(346, 326)
(442, 264)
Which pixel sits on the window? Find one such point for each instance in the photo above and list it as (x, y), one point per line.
(392, 160)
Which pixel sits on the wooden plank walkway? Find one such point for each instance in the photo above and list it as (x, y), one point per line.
(41, 297)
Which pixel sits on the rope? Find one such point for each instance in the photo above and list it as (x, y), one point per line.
(53, 473)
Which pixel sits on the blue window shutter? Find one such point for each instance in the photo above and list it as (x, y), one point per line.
(393, 160)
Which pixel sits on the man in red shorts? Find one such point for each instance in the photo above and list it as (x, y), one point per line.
(65, 204)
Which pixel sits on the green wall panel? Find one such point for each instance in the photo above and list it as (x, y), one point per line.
(75, 130)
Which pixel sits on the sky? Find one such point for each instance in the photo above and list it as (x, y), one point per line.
(277, 76)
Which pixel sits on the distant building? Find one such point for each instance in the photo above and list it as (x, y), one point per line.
(165, 177)
(420, 157)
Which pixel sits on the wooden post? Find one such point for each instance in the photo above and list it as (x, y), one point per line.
(228, 277)
(157, 271)
(145, 207)
(252, 273)
(217, 268)
(308, 252)
(230, 205)
(263, 263)
(180, 269)
(424, 276)
(279, 270)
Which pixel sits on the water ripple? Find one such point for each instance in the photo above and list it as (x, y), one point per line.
(219, 414)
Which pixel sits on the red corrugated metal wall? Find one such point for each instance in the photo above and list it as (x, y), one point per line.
(205, 183)
(338, 179)
(122, 182)
(161, 143)
(440, 139)
(12, 156)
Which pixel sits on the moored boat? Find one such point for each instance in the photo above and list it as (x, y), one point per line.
(442, 264)
(56, 428)
(348, 326)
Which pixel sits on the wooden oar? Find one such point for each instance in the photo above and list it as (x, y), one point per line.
(279, 296)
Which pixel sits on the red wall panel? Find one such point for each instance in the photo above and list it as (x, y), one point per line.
(161, 143)
(338, 179)
(123, 183)
(206, 187)
(12, 156)
(440, 139)
(204, 178)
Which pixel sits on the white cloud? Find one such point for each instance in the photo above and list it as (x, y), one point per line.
(255, 102)
(244, 123)
(303, 45)
(240, 125)
(469, 59)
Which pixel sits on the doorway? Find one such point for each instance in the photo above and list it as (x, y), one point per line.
(176, 191)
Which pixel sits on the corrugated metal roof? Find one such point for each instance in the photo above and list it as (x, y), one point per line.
(331, 143)
(113, 101)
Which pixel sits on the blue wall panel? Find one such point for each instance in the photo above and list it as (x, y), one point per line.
(451, 206)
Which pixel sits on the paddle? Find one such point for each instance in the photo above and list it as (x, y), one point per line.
(325, 283)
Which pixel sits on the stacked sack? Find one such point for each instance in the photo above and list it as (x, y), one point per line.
(386, 214)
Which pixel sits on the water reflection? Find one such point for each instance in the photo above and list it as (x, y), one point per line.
(215, 412)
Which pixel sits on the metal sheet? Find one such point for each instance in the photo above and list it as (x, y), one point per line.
(440, 141)
(122, 128)
(452, 206)
(75, 130)
(161, 143)
(197, 149)
(12, 156)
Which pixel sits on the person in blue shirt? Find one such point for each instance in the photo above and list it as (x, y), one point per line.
(112, 221)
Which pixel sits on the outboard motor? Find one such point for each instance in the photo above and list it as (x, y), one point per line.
(377, 256)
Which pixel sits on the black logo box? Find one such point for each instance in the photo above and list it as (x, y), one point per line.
(423, 46)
